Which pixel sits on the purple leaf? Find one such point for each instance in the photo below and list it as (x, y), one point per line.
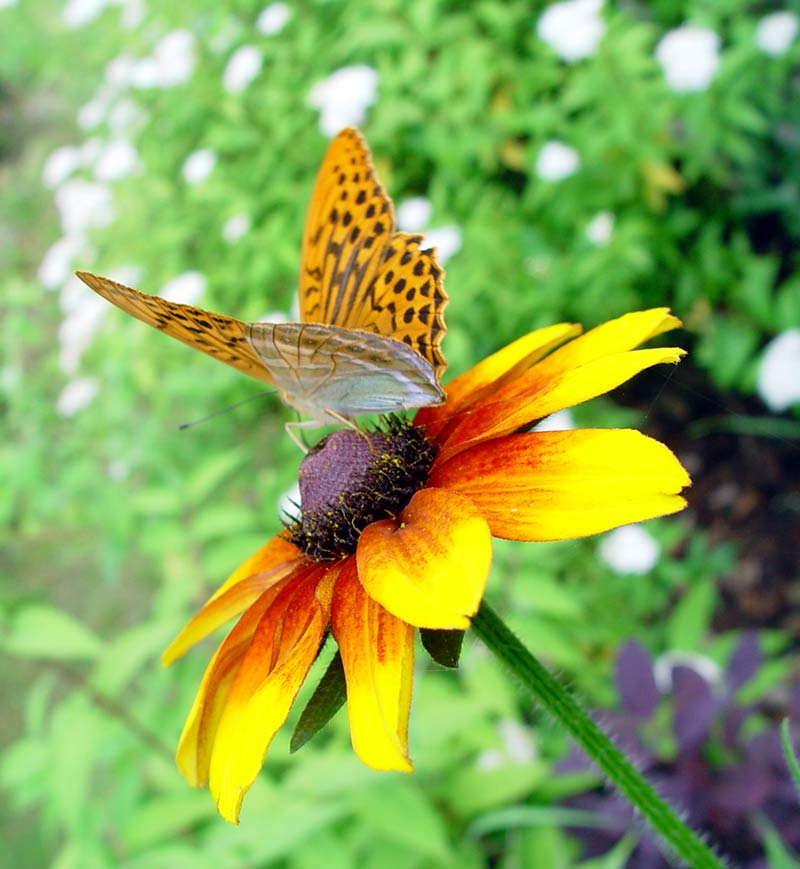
(744, 662)
(635, 681)
(694, 707)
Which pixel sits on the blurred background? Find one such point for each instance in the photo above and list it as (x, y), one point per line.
(571, 161)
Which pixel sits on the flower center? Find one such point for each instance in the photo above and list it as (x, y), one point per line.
(351, 479)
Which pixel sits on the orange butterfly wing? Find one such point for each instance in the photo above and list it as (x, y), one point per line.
(224, 338)
(356, 270)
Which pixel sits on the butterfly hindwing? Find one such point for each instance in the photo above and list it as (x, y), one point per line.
(219, 336)
(356, 270)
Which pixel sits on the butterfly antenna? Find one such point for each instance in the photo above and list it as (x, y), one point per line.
(185, 425)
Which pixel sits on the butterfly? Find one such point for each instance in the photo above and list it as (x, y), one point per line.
(371, 306)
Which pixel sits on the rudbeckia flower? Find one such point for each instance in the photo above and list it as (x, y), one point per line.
(395, 534)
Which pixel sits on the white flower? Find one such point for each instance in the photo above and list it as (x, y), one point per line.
(5, 4)
(186, 289)
(125, 116)
(446, 240)
(557, 161)
(130, 275)
(776, 32)
(689, 57)
(117, 470)
(84, 205)
(118, 160)
(92, 113)
(198, 165)
(629, 549)
(561, 420)
(517, 741)
(666, 662)
(779, 371)
(79, 327)
(413, 214)
(272, 19)
(76, 395)
(60, 165)
(600, 228)
(344, 97)
(172, 62)
(132, 13)
(119, 70)
(56, 266)
(235, 227)
(289, 503)
(490, 759)
(244, 65)
(79, 12)
(91, 150)
(573, 29)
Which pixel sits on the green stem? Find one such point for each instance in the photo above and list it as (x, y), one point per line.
(555, 699)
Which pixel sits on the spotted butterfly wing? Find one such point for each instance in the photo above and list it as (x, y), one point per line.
(357, 271)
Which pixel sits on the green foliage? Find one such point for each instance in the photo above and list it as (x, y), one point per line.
(115, 525)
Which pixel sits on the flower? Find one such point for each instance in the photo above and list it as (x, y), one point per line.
(689, 57)
(395, 533)
(84, 205)
(60, 165)
(557, 161)
(776, 32)
(778, 383)
(118, 159)
(413, 214)
(244, 65)
(76, 13)
(573, 29)
(630, 549)
(344, 97)
(446, 240)
(235, 227)
(76, 395)
(198, 165)
(172, 62)
(185, 289)
(600, 228)
(272, 19)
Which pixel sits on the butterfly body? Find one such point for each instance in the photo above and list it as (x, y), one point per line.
(371, 304)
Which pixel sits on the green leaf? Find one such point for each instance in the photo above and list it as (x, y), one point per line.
(40, 631)
(788, 750)
(327, 699)
(691, 618)
(166, 817)
(443, 646)
(209, 475)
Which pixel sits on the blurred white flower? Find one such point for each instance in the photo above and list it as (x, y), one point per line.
(289, 503)
(92, 113)
(83, 205)
(76, 13)
(518, 741)
(557, 161)
(60, 165)
(186, 289)
(79, 327)
(779, 371)
(666, 662)
(776, 32)
(344, 97)
(198, 165)
(272, 19)
(56, 266)
(117, 470)
(130, 275)
(235, 227)
(573, 29)
(413, 214)
(277, 316)
(689, 57)
(172, 62)
(119, 70)
(600, 228)
(629, 549)
(446, 240)
(76, 395)
(5, 4)
(561, 420)
(490, 759)
(244, 65)
(118, 160)
(125, 116)
(91, 150)
(132, 13)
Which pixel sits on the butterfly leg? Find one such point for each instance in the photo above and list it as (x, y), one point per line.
(290, 426)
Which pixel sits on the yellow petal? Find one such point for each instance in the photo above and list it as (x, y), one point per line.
(194, 748)
(431, 568)
(560, 485)
(271, 673)
(491, 372)
(377, 652)
(277, 551)
(531, 397)
(223, 607)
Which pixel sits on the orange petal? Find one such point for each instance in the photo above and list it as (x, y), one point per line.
(500, 367)
(223, 607)
(274, 667)
(559, 485)
(586, 367)
(377, 651)
(197, 739)
(429, 570)
(278, 551)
